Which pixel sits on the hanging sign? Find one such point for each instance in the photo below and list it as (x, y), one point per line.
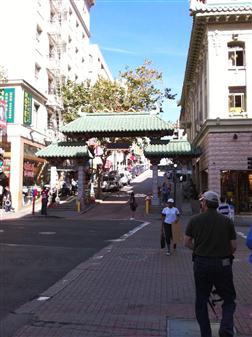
(8, 95)
(27, 108)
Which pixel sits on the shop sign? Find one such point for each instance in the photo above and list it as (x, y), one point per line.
(27, 108)
(29, 169)
(8, 95)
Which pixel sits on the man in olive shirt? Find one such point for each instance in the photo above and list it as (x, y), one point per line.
(212, 238)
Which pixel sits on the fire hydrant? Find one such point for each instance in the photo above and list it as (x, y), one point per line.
(147, 204)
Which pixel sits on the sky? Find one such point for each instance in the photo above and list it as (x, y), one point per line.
(131, 31)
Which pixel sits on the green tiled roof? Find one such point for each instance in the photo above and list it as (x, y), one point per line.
(116, 124)
(171, 149)
(64, 150)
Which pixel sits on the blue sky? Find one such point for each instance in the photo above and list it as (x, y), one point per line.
(130, 31)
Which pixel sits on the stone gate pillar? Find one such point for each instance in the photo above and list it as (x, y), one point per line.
(81, 184)
(155, 198)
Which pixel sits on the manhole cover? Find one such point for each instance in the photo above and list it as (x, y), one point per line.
(133, 256)
(187, 328)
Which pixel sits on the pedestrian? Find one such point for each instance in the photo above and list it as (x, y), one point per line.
(44, 200)
(7, 200)
(170, 214)
(165, 193)
(225, 208)
(133, 205)
(212, 238)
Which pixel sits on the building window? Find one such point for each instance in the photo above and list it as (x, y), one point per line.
(237, 99)
(236, 54)
(38, 33)
(37, 70)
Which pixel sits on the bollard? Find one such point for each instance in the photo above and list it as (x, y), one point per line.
(33, 205)
(78, 206)
(147, 204)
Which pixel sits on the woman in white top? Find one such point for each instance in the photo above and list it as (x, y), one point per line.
(170, 214)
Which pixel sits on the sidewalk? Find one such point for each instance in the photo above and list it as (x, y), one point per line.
(131, 289)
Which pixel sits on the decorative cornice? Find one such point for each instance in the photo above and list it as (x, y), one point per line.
(223, 126)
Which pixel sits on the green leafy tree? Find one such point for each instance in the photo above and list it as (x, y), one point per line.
(135, 90)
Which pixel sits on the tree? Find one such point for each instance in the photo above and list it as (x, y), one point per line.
(135, 90)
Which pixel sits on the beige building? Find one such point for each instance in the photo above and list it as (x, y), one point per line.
(46, 45)
(216, 102)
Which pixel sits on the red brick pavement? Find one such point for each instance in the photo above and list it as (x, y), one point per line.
(130, 289)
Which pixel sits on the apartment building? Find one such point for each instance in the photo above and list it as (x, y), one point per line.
(44, 43)
(216, 101)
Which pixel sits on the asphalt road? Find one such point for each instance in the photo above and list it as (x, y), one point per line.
(37, 253)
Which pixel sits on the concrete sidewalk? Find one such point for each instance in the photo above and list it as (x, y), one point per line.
(131, 289)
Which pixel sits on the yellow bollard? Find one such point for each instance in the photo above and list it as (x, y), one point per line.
(78, 206)
(147, 205)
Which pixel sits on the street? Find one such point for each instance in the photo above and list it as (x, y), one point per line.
(37, 253)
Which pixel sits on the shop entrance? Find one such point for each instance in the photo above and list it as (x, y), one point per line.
(236, 187)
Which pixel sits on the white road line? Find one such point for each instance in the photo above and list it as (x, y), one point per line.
(242, 235)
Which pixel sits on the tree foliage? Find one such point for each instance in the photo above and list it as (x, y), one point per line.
(135, 90)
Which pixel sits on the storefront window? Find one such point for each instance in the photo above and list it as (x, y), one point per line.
(236, 187)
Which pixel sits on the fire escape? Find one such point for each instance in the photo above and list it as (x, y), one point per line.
(57, 48)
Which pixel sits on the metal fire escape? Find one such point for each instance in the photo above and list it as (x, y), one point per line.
(57, 48)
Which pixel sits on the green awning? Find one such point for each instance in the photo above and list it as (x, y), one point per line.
(118, 124)
(65, 150)
(170, 149)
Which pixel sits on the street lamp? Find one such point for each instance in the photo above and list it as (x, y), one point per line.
(175, 181)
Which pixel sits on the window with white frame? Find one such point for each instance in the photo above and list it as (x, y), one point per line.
(236, 54)
(237, 99)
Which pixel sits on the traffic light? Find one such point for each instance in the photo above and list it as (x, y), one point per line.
(250, 163)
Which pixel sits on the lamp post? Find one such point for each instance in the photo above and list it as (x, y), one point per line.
(175, 181)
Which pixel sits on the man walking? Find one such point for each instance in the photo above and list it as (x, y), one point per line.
(212, 238)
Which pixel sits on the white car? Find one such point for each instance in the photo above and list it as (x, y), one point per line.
(125, 178)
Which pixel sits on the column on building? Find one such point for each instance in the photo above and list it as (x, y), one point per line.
(16, 179)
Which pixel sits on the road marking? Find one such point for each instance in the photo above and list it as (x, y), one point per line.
(43, 298)
(1, 230)
(47, 233)
(242, 235)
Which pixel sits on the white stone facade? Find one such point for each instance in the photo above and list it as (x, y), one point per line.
(45, 42)
(216, 103)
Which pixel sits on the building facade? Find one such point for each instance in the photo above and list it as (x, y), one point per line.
(216, 101)
(47, 45)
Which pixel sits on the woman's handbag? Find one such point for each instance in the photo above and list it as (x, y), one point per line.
(162, 240)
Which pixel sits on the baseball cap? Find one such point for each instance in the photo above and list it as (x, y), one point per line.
(210, 196)
(170, 200)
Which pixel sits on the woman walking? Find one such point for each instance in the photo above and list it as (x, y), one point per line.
(133, 205)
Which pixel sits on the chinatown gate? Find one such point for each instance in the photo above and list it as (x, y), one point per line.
(114, 125)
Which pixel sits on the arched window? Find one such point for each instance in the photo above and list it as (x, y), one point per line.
(236, 54)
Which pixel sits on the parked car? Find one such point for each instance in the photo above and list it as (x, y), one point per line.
(111, 181)
(125, 178)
